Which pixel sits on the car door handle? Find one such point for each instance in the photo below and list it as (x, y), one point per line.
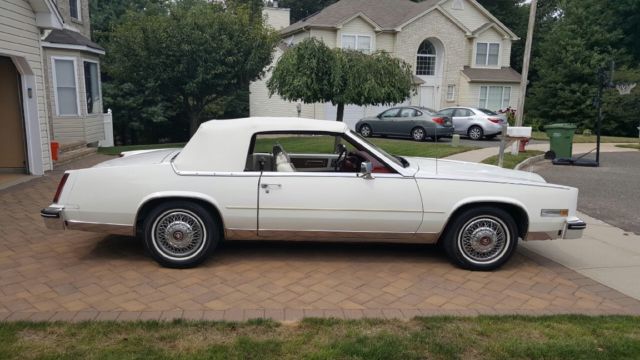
(268, 187)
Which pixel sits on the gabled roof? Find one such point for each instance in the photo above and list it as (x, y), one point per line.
(502, 75)
(69, 37)
(488, 26)
(384, 15)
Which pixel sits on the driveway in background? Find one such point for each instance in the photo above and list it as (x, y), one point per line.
(610, 192)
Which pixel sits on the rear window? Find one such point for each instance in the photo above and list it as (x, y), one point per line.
(427, 110)
(488, 112)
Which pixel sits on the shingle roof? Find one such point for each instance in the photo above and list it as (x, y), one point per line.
(386, 14)
(502, 75)
(71, 38)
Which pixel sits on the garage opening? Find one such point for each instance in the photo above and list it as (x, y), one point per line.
(12, 133)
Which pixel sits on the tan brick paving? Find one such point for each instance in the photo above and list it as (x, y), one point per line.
(76, 276)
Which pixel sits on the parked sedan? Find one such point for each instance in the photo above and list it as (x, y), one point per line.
(415, 122)
(236, 180)
(475, 123)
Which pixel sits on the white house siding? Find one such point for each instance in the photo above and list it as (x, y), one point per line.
(20, 37)
(357, 26)
(327, 36)
(83, 127)
(435, 25)
(506, 53)
(386, 42)
(470, 17)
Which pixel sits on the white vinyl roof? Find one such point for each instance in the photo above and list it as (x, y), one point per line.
(223, 145)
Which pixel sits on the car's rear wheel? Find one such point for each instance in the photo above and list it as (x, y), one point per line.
(475, 133)
(365, 130)
(482, 238)
(180, 234)
(418, 134)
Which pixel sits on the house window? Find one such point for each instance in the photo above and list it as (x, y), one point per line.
(487, 54)
(92, 86)
(74, 9)
(451, 92)
(494, 97)
(426, 62)
(357, 42)
(64, 80)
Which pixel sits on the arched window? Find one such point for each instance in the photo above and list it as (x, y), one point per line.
(426, 64)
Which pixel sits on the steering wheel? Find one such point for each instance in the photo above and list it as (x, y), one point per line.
(342, 155)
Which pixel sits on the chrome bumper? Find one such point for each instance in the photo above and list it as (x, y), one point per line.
(53, 218)
(574, 229)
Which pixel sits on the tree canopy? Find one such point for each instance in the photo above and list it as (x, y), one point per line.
(311, 72)
(183, 61)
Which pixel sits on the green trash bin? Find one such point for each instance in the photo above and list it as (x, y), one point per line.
(561, 139)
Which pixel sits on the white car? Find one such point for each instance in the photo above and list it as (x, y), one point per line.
(286, 179)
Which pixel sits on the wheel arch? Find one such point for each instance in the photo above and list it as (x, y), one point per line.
(156, 199)
(514, 208)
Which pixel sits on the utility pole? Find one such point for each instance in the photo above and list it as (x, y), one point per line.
(525, 63)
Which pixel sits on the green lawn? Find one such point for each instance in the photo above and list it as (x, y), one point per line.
(630, 146)
(506, 337)
(511, 161)
(324, 144)
(578, 138)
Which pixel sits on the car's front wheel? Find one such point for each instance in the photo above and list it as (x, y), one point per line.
(482, 238)
(180, 234)
(365, 130)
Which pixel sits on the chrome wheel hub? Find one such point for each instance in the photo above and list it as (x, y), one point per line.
(179, 233)
(483, 239)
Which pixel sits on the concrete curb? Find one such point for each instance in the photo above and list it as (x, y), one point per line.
(529, 162)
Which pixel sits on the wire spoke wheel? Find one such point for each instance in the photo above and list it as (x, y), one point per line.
(179, 234)
(484, 239)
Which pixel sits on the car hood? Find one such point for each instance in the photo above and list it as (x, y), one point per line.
(141, 157)
(429, 168)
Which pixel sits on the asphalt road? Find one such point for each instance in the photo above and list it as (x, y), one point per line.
(610, 193)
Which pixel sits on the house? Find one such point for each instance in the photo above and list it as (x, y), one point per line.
(459, 52)
(50, 88)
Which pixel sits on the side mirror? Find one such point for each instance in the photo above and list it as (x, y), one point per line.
(365, 170)
(379, 116)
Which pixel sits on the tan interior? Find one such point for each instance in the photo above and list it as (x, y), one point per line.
(12, 144)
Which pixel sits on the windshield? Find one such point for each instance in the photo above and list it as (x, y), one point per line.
(488, 112)
(394, 159)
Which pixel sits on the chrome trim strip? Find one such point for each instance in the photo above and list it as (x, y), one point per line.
(332, 236)
(553, 186)
(542, 235)
(52, 218)
(576, 225)
(116, 229)
(336, 209)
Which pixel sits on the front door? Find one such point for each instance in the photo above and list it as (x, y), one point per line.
(334, 202)
(12, 137)
(427, 97)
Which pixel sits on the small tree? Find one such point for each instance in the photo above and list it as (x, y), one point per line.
(188, 56)
(311, 72)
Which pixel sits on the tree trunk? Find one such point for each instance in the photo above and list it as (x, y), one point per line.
(340, 113)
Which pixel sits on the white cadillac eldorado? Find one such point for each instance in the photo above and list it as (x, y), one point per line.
(302, 179)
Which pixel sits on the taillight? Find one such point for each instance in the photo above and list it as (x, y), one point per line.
(495, 120)
(438, 120)
(60, 187)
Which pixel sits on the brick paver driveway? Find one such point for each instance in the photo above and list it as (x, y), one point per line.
(74, 275)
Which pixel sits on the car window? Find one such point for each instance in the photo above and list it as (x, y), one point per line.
(298, 143)
(446, 112)
(407, 112)
(462, 113)
(488, 112)
(390, 113)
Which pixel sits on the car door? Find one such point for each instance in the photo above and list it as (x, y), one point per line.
(462, 119)
(386, 121)
(337, 205)
(406, 121)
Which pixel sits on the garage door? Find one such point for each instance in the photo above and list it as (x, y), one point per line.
(12, 145)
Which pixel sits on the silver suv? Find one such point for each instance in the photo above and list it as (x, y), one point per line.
(475, 123)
